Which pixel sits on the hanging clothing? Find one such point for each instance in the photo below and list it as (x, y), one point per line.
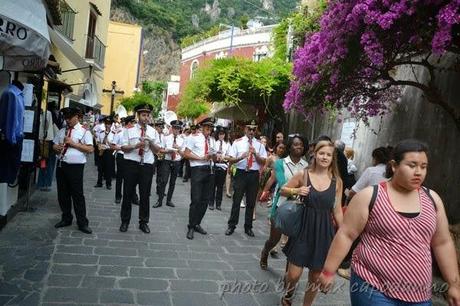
(11, 133)
(12, 115)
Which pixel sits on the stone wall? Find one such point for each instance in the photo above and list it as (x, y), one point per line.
(413, 117)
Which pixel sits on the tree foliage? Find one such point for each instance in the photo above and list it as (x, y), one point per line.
(234, 81)
(152, 93)
(301, 23)
(351, 61)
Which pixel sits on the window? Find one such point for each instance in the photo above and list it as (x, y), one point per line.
(91, 34)
(68, 20)
(193, 68)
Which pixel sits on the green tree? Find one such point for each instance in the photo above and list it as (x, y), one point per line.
(152, 93)
(234, 81)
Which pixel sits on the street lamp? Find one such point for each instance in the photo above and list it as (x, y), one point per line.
(232, 27)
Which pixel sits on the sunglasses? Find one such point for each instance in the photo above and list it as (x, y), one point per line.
(294, 135)
(252, 129)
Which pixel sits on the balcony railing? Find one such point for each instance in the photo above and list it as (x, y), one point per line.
(68, 20)
(95, 50)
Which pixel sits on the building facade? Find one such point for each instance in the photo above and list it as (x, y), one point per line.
(253, 43)
(78, 46)
(123, 58)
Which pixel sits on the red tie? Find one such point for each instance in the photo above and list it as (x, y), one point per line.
(141, 149)
(69, 133)
(206, 146)
(173, 154)
(251, 157)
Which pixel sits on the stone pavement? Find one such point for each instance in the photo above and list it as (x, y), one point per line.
(40, 265)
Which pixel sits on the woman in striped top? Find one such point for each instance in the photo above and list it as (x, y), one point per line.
(398, 225)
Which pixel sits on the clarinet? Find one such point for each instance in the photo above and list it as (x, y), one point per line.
(64, 150)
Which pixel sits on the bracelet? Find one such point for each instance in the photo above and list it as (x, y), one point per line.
(327, 273)
(292, 191)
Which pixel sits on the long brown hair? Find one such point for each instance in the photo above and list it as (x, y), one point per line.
(333, 168)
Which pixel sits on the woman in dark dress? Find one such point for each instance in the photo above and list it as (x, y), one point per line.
(320, 187)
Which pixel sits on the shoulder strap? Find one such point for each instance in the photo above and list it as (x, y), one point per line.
(427, 192)
(289, 168)
(375, 190)
(305, 177)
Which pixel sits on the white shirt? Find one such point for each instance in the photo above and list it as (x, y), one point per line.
(169, 141)
(116, 138)
(132, 135)
(371, 176)
(161, 140)
(290, 169)
(77, 134)
(241, 146)
(100, 137)
(222, 151)
(98, 128)
(196, 144)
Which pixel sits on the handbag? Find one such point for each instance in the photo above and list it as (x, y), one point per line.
(289, 215)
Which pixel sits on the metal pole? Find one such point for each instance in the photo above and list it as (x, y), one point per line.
(231, 41)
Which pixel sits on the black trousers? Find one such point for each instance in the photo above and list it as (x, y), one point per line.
(107, 165)
(180, 172)
(69, 180)
(120, 175)
(187, 172)
(134, 174)
(244, 183)
(157, 168)
(168, 171)
(218, 187)
(200, 194)
(96, 152)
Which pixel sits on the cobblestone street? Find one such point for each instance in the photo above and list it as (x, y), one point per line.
(40, 265)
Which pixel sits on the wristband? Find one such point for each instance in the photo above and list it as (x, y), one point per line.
(327, 273)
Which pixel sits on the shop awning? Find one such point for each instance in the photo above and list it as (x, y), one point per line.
(24, 37)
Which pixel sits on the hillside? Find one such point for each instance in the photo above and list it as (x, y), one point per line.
(166, 22)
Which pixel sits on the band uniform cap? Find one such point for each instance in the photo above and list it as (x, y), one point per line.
(143, 108)
(221, 129)
(177, 124)
(252, 124)
(69, 112)
(108, 119)
(159, 122)
(129, 119)
(208, 121)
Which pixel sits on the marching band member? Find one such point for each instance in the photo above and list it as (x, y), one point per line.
(139, 143)
(72, 144)
(198, 150)
(220, 169)
(170, 165)
(249, 156)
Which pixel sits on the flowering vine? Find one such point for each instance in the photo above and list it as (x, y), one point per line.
(350, 62)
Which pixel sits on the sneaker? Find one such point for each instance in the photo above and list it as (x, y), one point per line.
(242, 205)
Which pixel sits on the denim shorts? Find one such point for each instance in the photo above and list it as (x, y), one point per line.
(363, 294)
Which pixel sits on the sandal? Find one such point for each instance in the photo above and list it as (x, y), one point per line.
(288, 297)
(286, 301)
(263, 260)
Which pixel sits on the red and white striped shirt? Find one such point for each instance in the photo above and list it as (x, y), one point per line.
(394, 253)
